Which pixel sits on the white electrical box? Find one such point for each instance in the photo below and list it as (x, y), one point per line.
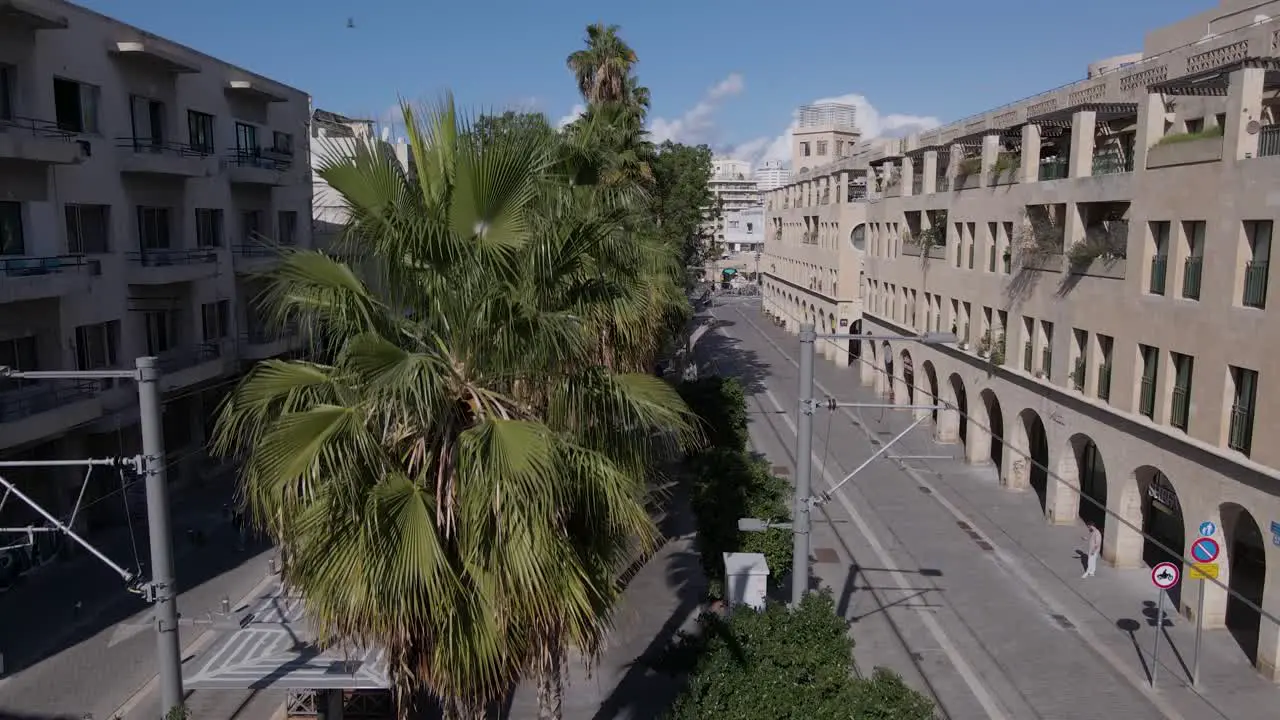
(746, 579)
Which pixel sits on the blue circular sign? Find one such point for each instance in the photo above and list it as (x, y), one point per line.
(1208, 529)
(1204, 550)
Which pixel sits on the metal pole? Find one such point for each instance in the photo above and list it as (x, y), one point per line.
(1195, 662)
(169, 651)
(804, 469)
(1155, 649)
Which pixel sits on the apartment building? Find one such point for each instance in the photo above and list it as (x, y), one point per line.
(1102, 250)
(142, 184)
(732, 185)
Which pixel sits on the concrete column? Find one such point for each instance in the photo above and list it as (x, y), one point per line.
(990, 149)
(977, 440)
(922, 396)
(866, 368)
(1083, 129)
(908, 176)
(1030, 153)
(899, 380)
(1122, 546)
(1269, 632)
(930, 172)
(880, 381)
(1150, 128)
(1062, 502)
(1244, 105)
(1072, 227)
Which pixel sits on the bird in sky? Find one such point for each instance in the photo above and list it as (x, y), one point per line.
(351, 23)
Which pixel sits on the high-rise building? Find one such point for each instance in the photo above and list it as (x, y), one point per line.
(771, 174)
(142, 183)
(1102, 251)
(824, 133)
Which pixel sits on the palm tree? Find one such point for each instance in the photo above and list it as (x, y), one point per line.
(604, 66)
(456, 476)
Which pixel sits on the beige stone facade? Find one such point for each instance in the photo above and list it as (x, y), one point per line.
(1102, 251)
(141, 183)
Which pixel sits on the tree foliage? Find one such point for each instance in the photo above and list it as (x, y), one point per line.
(683, 174)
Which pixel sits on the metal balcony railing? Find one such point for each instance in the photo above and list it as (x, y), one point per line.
(34, 126)
(258, 249)
(1191, 277)
(1027, 355)
(23, 402)
(1269, 141)
(1053, 169)
(1180, 408)
(1147, 397)
(1255, 284)
(1159, 269)
(259, 333)
(265, 158)
(59, 264)
(181, 358)
(1046, 362)
(1240, 434)
(169, 258)
(970, 255)
(1104, 381)
(1078, 375)
(943, 184)
(160, 147)
(917, 185)
(1110, 163)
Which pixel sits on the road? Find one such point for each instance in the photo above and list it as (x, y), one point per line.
(77, 642)
(957, 584)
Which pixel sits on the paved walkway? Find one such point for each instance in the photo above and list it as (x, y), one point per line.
(1010, 631)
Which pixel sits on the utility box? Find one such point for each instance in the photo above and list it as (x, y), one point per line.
(746, 579)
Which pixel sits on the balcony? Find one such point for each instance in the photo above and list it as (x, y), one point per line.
(45, 277)
(1046, 362)
(1147, 397)
(258, 166)
(151, 156)
(160, 267)
(1104, 381)
(1159, 270)
(28, 14)
(1180, 408)
(1027, 356)
(1078, 375)
(942, 184)
(46, 409)
(261, 342)
(255, 90)
(38, 141)
(917, 184)
(1269, 141)
(1053, 169)
(1255, 285)
(1240, 433)
(155, 54)
(1191, 270)
(1185, 149)
(1111, 163)
(192, 365)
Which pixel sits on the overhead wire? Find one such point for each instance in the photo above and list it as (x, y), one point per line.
(1050, 474)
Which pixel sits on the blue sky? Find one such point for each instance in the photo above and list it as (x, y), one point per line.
(726, 73)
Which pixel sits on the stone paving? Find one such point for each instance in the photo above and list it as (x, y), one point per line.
(1038, 640)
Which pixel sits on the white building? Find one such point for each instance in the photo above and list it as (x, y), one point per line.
(743, 230)
(141, 183)
(771, 174)
(733, 185)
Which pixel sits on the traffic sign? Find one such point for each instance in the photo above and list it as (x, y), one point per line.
(1208, 529)
(1205, 550)
(1165, 575)
(1203, 571)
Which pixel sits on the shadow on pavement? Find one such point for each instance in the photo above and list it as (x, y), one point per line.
(718, 354)
(81, 597)
(24, 716)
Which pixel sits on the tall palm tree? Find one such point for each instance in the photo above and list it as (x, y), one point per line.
(457, 477)
(604, 66)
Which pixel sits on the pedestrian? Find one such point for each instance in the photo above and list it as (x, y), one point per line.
(1095, 547)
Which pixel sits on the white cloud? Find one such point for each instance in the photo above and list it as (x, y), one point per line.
(698, 125)
(871, 121)
(574, 114)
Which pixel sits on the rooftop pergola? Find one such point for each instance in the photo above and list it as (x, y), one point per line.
(273, 647)
(1103, 112)
(1214, 82)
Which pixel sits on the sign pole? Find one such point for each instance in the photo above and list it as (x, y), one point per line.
(1155, 649)
(1195, 662)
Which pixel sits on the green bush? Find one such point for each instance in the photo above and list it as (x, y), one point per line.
(779, 663)
(721, 403)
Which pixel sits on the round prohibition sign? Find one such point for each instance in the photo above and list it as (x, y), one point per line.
(1165, 575)
(1205, 550)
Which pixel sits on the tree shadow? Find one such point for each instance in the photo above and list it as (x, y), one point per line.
(719, 354)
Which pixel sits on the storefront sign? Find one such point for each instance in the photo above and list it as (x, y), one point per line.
(1275, 533)
(1165, 496)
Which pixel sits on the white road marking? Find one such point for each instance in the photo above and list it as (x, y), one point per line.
(1010, 563)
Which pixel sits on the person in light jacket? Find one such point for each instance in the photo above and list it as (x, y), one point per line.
(1095, 547)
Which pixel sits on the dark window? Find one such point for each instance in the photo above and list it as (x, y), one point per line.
(282, 143)
(288, 221)
(161, 336)
(208, 227)
(200, 131)
(11, 238)
(6, 92)
(88, 229)
(96, 345)
(153, 228)
(247, 139)
(75, 106)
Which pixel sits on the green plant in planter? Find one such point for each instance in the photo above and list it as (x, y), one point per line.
(178, 712)
(971, 165)
(984, 344)
(1213, 131)
(1108, 242)
(997, 350)
(1005, 161)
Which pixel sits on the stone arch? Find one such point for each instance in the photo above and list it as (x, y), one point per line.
(1149, 502)
(1245, 551)
(855, 343)
(986, 444)
(960, 399)
(1079, 488)
(858, 237)
(1028, 455)
(930, 376)
(908, 388)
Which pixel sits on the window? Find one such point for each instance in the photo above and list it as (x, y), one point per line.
(19, 354)
(147, 118)
(282, 142)
(215, 320)
(822, 147)
(11, 238)
(97, 345)
(1193, 231)
(1046, 351)
(6, 92)
(1079, 366)
(804, 150)
(250, 226)
(153, 228)
(287, 220)
(1105, 345)
(1195, 125)
(75, 106)
(208, 227)
(1149, 359)
(200, 131)
(1159, 256)
(1243, 398)
(88, 229)
(247, 139)
(161, 331)
(1180, 408)
(1258, 233)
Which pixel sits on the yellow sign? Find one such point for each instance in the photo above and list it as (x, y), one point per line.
(1202, 571)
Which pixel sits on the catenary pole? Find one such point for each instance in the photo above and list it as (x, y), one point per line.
(804, 469)
(169, 650)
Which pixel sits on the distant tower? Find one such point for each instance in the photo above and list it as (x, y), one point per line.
(825, 133)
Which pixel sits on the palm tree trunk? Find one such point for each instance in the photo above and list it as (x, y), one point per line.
(551, 687)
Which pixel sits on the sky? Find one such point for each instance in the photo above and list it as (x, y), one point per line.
(727, 74)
